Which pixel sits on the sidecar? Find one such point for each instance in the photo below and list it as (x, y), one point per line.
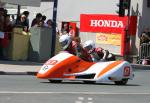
(65, 66)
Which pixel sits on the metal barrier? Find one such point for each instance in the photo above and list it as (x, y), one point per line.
(144, 51)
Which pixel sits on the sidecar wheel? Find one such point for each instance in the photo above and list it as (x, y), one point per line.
(55, 81)
(122, 82)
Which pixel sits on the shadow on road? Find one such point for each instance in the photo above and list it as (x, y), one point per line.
(78, 82)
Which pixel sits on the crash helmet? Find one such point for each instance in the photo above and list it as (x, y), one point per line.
(89, 46)
(65, 41)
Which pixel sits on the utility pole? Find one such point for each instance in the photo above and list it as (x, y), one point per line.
(54, 28)
(18, 10)
(127, 36)
(123, 6)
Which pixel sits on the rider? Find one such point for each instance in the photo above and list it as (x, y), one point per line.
(97, 54)
(73, 46)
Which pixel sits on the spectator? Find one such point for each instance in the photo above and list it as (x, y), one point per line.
(1, 18)
(144, 46)
(5, 28)
(21, 21)
(1, 29)
(49, 23)
(65, 28)
(8, 27)
(8, 31)
(26, 13)
(36, 21)
(57, 29)
(145, 36)
(43, 20)
(71, 31)
(41, 24)
(5, 12)
(13, 19)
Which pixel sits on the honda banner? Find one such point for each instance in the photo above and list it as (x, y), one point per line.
(102, 23)
(109, 29)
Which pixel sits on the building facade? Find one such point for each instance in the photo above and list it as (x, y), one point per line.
(70, 10)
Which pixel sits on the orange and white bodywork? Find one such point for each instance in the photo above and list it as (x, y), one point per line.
(67, 66)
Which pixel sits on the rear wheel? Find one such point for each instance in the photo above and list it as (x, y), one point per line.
(89, 82)
(122, 82)
(55, 81)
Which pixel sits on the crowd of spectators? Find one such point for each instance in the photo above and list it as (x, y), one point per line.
(145, 46)
(40, 21)
(8, 22)
(145, 36)
(67, 29)
(5, 31)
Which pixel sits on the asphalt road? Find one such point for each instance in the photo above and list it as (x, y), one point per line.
(29, 89)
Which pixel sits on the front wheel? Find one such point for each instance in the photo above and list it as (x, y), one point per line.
(55, 81)
(122, 82)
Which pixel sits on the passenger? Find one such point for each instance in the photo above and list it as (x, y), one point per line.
(97, 54)
(73, 47)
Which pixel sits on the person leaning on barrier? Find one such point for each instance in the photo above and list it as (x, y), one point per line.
(145, 36)
(21, 21)
(26, 13)
(36, 21)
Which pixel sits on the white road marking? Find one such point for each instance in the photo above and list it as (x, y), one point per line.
(81, 98)
(90, 93)
(78, 102)
(90, 99)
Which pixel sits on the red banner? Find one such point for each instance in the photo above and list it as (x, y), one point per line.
(102, 23)
(133, 25)
(114, 24)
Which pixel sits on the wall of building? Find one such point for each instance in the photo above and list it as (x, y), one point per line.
(140, 9)
(70, 10)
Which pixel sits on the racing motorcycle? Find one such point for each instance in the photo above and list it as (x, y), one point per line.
(65, 66)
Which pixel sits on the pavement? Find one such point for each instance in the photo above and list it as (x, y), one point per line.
(31, 68)
(19, 67)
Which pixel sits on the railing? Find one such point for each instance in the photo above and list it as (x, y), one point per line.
(144, 51)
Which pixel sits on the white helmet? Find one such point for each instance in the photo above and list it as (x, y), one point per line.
(65, 41)
(89, 46)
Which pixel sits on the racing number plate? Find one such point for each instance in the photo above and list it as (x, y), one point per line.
(51, 62)
(45, 68)
(48, 63)
(126, 71)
